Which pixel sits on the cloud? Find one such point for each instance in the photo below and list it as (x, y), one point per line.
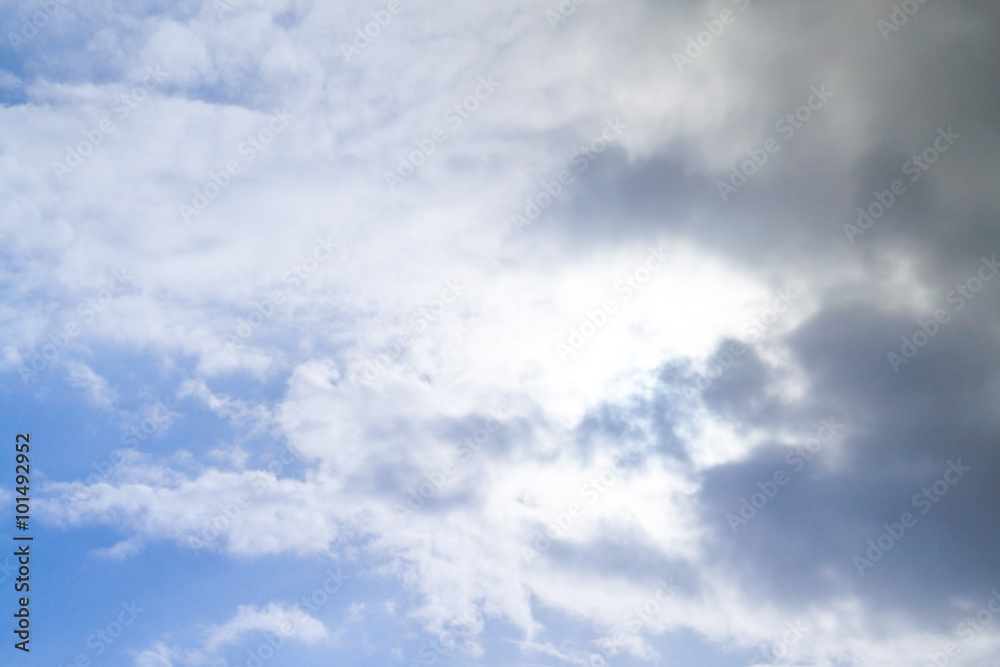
(273, 619)
(96, 387)
(254, 418)
(274, 623)
(157, 656)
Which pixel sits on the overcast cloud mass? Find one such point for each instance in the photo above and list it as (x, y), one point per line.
(502, 333)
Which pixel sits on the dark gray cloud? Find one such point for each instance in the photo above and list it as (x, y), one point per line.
(889, 100)
(900, 432)
(893, 99)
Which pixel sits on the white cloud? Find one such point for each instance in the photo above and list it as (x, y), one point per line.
(241, 415)
(96, 387)
(157, 656)
(284, 621)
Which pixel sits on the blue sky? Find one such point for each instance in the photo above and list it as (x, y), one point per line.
(511, 333)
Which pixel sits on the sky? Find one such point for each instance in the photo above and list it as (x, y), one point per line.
(552, 333)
